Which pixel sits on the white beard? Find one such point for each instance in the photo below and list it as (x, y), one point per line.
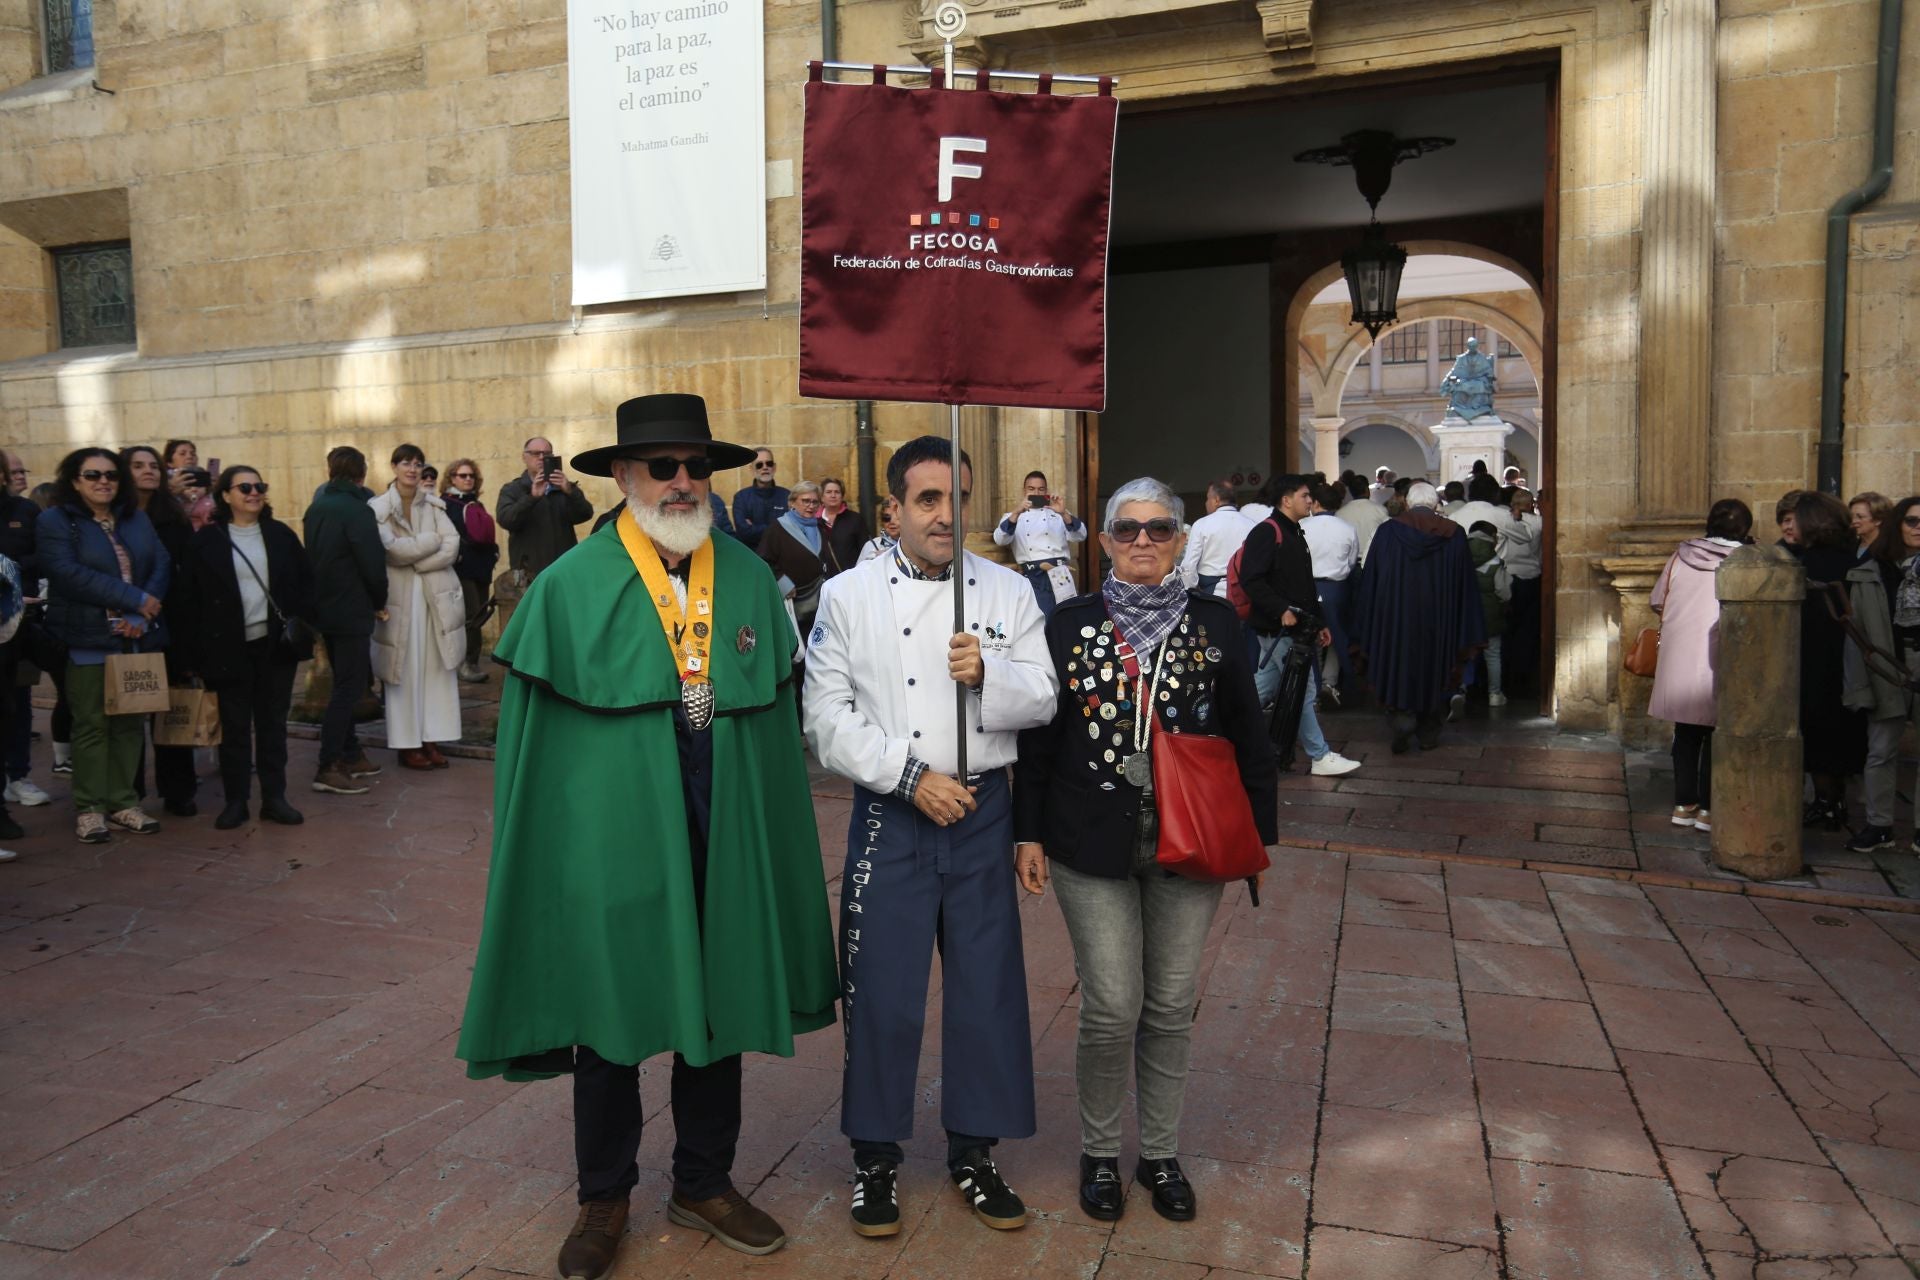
(679, 534)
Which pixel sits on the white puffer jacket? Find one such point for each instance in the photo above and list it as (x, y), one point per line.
(423, 544)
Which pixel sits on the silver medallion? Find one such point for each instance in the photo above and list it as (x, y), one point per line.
(1213, 655)
(1086, 633)
(1093, 730)
(1138, 769)
(697, 698)
(1109, 756)
(1108, 711)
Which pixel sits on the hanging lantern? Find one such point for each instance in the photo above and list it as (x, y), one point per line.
(1372, 269)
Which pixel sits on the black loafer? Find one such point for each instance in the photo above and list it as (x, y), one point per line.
(1102, 1194)
(182, 808)
(231, 816)
(1172, 1193)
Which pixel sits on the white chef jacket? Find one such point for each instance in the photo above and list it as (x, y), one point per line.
(1038, 533)
(1473, 512)
(1335, 546)
(1366, 519)
(1211, 542)
(877, 687)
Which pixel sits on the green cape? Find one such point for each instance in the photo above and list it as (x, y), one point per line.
(591, 935)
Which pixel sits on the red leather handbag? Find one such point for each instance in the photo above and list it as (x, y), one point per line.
(1206, 823)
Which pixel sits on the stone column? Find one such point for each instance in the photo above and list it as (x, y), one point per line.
(1756, 742)
(1326, 446)
(1676, 263)
(1675, 407)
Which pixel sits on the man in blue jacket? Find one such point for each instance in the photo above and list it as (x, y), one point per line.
(756, 507)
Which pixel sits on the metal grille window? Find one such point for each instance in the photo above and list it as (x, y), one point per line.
(96, 294)
(1454, 335)
(1507, 349)
(1406, 345)
(69, 30)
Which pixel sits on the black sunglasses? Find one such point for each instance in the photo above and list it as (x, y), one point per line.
(94, 477)
(1159, 529)
(668, 468)
(1911, 522)
(249, 488)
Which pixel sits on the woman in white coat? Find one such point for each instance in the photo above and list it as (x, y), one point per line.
(422, 640)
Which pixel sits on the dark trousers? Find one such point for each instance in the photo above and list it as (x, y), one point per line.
(1693, 765)
(1036, 576)
(1334, 596)
(474, 593)
(253, 725)
(18, 734)
(607, 1121)
(908, 887)
(173, 775)
(352, 677)
(1520, 652)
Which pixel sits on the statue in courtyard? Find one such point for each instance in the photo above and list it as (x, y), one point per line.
(1469, 384)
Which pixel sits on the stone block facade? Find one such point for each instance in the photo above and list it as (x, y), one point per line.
(350, 224)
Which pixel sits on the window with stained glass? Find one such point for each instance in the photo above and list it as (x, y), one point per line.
(1406, 345)
(96, 294)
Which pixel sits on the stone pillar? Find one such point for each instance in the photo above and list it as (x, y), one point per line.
(1676, 263)
(1756, 743)
(1326, 446)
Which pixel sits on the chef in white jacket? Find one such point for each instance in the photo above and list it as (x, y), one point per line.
(929, 856)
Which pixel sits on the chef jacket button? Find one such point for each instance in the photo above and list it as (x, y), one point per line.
(916, 733)
(972, 583)
(909, 679)
(906, 631)
(895, 581)
(976, 626)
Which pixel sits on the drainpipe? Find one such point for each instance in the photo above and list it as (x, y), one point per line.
(1833, 355)
(865, 482)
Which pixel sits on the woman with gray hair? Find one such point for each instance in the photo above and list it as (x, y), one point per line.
(1085, 818)
(798, 551)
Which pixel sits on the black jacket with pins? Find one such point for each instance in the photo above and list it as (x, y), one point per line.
(1069, 794)
(215, 626)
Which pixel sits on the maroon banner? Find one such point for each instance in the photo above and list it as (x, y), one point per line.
(954, 245)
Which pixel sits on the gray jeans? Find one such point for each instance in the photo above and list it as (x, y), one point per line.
(1137, 944)
(1883, 759)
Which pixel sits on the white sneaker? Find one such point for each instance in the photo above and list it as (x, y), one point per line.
(1456, 707)
(1496, 699)
(25, 793)
(7, 855)
(1332, 765)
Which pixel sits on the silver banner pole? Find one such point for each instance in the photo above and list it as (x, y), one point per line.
(950, 20)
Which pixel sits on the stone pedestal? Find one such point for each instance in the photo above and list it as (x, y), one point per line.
(1463, 442)
(1638, 556)
(1757, 752)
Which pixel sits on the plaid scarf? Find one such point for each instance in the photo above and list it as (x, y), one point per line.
(1145, 614)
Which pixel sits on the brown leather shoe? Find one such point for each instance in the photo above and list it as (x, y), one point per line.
(730, 1219)
(434, 757)
(595, 1238)
(414, 758)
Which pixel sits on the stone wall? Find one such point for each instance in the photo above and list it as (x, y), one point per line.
(350, 224)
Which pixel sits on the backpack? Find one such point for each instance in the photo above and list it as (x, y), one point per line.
(1236, 593)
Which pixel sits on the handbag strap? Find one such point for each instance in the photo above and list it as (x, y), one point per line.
(248, 561)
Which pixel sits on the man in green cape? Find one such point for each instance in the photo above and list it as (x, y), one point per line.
(656, 881)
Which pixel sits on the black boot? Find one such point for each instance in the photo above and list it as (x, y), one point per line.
(1102, 1194)
(232, 816)
(276, 809)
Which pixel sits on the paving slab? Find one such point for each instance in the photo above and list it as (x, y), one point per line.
(233, 1057)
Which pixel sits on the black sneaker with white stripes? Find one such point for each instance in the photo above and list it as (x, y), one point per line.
(876, 1207)
(990, 1198)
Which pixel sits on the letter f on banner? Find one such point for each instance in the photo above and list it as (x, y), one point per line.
(951, 168)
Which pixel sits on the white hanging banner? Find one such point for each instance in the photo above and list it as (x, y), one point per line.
(667, 102)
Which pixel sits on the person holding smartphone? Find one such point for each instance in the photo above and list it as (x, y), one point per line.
(1040, 534)
(540, 508)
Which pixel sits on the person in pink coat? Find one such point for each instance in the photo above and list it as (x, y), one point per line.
(1683, 682)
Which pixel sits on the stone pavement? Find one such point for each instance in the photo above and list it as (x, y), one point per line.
(1511, 788)
(230, 1054)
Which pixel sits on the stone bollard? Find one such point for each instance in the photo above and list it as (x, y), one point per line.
(1756, 743)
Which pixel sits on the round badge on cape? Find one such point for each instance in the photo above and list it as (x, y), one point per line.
(700, 630)
(746, 640)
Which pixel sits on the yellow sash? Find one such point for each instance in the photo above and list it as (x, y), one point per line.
(691, 644)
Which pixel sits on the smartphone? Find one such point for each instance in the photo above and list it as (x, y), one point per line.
(213, 466)
(553, 463)
(1037, 499)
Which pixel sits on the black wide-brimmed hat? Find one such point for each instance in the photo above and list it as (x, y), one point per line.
(661, 419)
